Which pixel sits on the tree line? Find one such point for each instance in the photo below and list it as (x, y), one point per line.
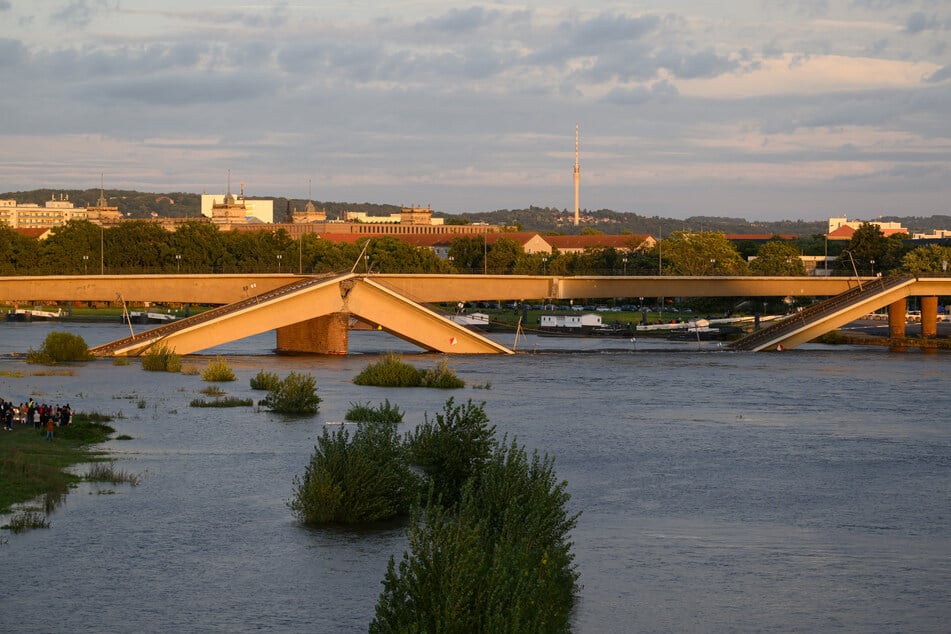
(139, 246)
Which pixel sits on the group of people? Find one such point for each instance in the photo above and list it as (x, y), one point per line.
(41, 416)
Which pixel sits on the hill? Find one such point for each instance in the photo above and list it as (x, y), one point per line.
(137, 204)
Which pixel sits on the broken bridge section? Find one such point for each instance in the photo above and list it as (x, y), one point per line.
(311, 316)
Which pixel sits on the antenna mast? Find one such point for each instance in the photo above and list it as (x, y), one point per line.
(577, 176)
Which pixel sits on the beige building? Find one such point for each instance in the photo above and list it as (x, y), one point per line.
(228, 208)
(52, 213)
(416, 216)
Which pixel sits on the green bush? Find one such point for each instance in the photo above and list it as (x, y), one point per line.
(218, 370)
(501, 562)
(60, 347)
(441, 377)
(390, 371)
(228, 401)
(296, 394)
(453, 447)
(264, 381)
(382, 413)
(355, 481)
(161, 358)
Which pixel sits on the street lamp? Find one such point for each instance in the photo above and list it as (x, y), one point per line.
(624, 260)
(366, 262)
(872, 262)
(178, 262)
(944, 266)
(279, 258)
(713, 266)
(85, 264)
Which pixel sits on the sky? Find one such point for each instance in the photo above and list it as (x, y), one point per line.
(756, 109)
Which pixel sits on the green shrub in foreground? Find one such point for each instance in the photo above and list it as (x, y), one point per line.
(265, 381)
(382, 413)
(218, 370)
(355, 480)
(452, 447)
(60, 347)
(499, 562)
(296, 394)
(161, 358)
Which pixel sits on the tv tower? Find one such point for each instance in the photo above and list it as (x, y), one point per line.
(577, 177)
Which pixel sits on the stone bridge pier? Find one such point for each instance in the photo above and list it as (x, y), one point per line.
(327, 334)
(897, 315)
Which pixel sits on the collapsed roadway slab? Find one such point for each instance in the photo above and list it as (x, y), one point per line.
(311, 316)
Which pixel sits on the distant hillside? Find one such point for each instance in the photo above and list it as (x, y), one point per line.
(541, 219)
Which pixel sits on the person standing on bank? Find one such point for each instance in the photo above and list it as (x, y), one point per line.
(49, 428)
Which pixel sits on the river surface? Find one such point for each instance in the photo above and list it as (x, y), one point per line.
(802, 491)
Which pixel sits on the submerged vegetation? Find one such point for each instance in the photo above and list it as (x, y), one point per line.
(224, 401)
(489, 530)
(264, 380)
(393, 371)
(31, 467)
(60, 347)
(218, 370)
(161, 358)
(382, 413)
(295, 395)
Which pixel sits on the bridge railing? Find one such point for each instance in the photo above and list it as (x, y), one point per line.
(816, 312)
(214, 313)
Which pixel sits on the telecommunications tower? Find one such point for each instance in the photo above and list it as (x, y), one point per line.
(577, 178)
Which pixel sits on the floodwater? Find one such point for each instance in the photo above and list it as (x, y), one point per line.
(800, 491)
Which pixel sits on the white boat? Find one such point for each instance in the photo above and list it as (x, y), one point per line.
(30, 314)
(139, 317)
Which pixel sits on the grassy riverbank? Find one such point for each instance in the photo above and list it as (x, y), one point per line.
(32, 467)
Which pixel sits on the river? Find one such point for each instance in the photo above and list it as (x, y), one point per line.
(801, 491)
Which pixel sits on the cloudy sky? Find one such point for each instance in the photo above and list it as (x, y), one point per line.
(760, 109)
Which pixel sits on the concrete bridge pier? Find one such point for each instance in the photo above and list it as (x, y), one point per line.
(328, 334)
(896, 318)
(929, 316)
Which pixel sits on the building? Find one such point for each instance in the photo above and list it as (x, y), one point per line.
(53, 213)
(227, 210)
(844, 229)
(622, 242)
(413, 216)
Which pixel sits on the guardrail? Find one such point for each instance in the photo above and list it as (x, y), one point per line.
(816, 312)
(213, 313)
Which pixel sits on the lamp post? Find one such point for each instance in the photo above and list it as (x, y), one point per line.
(872, 263)
(102, 251)
(485, 255)
(85, 265)
(624, 260)
(713, 266)
(451, 260)
(178, 262)
(366, 262)
(279, 258)
(944, 266)
(544, 265)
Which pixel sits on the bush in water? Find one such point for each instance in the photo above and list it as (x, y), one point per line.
(296, 394)
(355, 480)
(60, 347)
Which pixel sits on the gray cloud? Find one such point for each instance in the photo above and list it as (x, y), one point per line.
(942, 74)
(460, 21)
(918, 22)
(77, 13)
(5, 5)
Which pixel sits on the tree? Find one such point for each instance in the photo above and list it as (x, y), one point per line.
(501, 562)
(354, 481)
(871, 251)
(778, 257)
(930, 258)
(704, 253)
(503, 255)
(452, 447)
(20, 254)
(468, 253)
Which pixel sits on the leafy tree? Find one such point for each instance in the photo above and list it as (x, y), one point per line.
(501, 563)
(62, 252)
(60, 347)
(930, 258)
(355, 481)
(503, 256)
(468, 253)
(452, 448)
(296, 395)
(391, 255)
(704, 253)
(872, 251)
(20, 253)
(135, 246)
(202, 247)
(777, 257)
